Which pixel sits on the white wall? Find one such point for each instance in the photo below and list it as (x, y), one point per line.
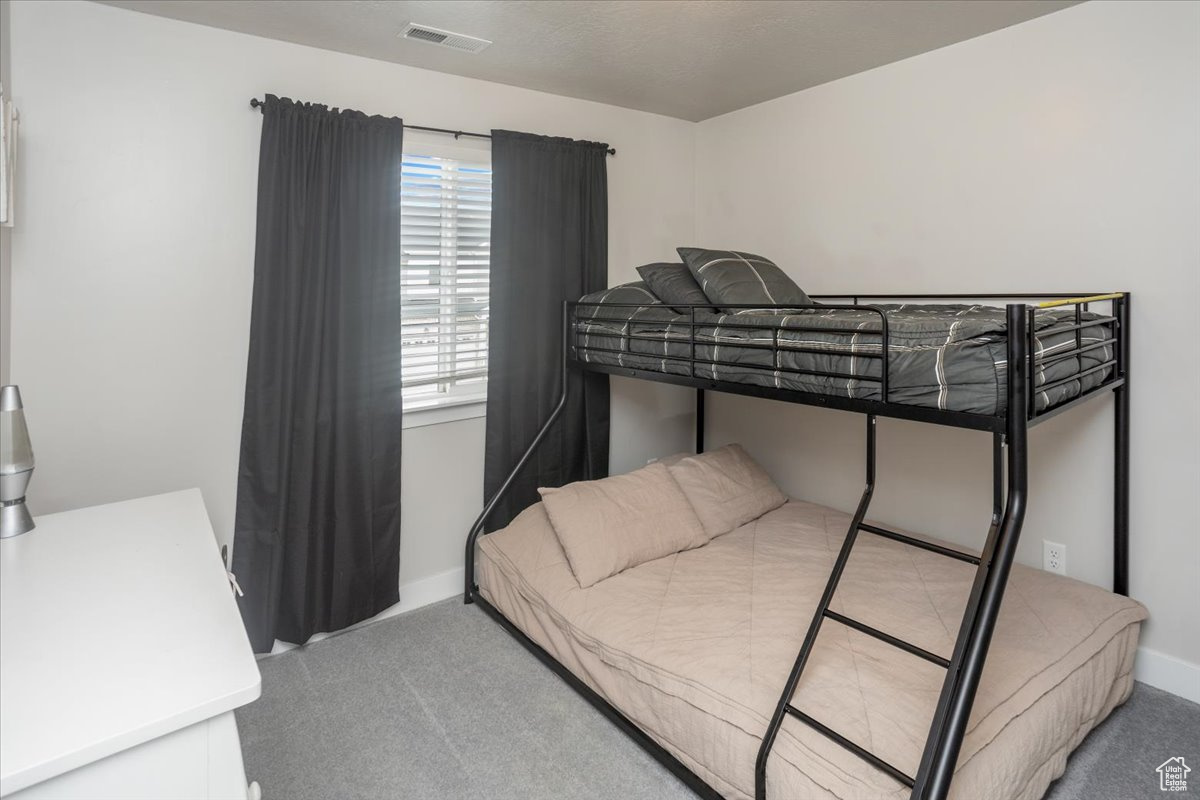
(1061, 154)
(134, 255)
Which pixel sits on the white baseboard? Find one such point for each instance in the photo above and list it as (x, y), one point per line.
(413, 595)
(429, 590)
(1168, 673)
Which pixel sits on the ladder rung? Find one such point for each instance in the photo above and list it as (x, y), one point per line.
(887, 637)
(865, 755)
(930, 546)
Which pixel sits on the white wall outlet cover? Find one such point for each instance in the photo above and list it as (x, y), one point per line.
(1054, 557)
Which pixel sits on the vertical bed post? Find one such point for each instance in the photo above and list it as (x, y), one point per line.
(997, 478)
(983, 608)
(699, 392)
(470, 586)
(1121, 452)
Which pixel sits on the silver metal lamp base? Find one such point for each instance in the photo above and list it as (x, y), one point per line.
(15, 519)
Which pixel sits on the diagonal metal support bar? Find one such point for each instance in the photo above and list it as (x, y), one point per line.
(477, 528)
(839, 566)
(949, 723)
(965, 666)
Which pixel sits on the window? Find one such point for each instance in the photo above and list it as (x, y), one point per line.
(446, 208)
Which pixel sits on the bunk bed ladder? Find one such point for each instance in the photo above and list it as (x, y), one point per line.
(963, 669)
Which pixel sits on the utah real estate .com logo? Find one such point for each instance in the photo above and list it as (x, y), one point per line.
(1172, 775)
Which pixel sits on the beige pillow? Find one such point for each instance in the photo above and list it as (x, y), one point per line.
(726, 487)
(610, 525)
(670, 461)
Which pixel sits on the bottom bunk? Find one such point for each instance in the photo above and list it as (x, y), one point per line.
(694, 647)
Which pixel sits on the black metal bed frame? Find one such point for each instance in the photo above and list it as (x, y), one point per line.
(1009, 499)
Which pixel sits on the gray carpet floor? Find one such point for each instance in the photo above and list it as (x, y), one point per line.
(441, 703)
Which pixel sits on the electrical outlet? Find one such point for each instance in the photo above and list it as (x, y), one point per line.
(1054, 557)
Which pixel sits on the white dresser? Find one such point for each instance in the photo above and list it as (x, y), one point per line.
(122, 657)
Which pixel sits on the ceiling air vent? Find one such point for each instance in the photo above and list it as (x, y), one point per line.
(455, 41)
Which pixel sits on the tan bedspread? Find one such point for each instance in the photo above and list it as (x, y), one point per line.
(695, 648)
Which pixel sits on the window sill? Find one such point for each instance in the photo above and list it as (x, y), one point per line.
(446, 411)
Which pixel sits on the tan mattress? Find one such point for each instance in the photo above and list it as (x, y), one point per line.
(695, 648)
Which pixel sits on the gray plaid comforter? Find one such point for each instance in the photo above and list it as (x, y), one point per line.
(949, 357)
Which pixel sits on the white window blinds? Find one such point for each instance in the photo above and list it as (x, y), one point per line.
(446, 208)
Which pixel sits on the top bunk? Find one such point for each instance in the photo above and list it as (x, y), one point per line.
(938, 358)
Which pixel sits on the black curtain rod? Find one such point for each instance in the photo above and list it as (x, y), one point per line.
(256, 103)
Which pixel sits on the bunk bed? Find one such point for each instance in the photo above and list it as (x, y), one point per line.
(959, 362)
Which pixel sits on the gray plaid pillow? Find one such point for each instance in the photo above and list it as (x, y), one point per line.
(634, 292)
(674, 285)
(730, 278)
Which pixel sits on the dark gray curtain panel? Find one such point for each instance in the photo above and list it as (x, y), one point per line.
(317, 533)
(549, 244)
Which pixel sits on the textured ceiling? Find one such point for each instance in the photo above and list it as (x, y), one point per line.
(691, 59)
